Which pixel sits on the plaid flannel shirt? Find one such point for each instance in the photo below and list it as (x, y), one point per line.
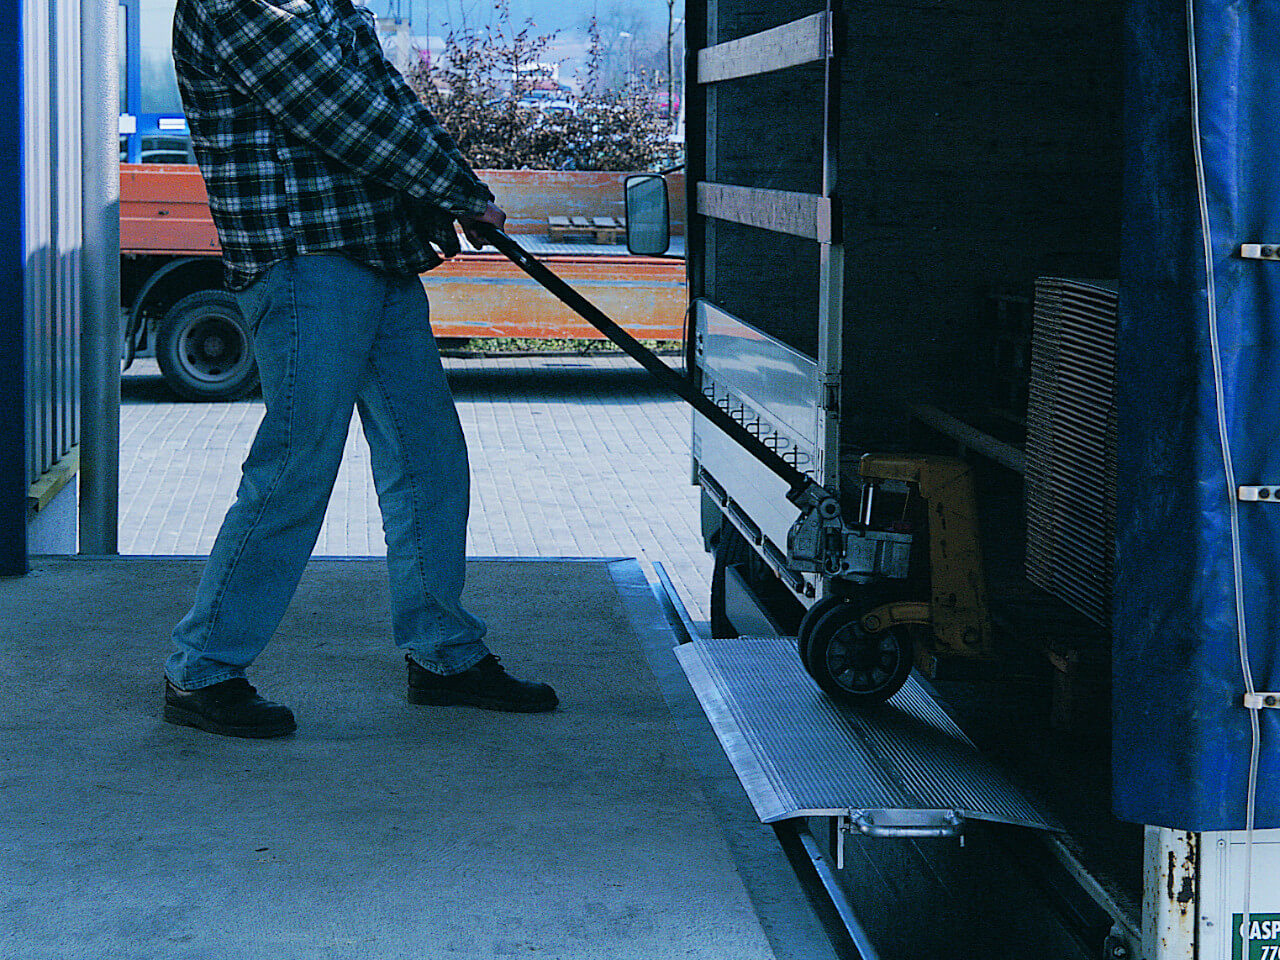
(310, 141)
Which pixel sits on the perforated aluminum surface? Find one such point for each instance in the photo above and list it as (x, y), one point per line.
(798, 753)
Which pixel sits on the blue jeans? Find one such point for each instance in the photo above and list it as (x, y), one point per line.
(330, 334)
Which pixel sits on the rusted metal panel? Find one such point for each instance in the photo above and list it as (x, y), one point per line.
(488, 296)
(1171, 894)
(164, 208)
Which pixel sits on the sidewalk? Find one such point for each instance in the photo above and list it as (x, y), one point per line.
(570, 457)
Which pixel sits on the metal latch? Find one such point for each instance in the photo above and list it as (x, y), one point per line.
(1258, 494)
(831, 395)
(1260, 701)
(1260, 251)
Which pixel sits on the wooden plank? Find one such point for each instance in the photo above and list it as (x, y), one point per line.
(606, 229)
(558, 227)
(790, 45)
(799, 214)
(42, 492)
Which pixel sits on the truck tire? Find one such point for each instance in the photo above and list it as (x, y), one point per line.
(205, 349)
(731, 549)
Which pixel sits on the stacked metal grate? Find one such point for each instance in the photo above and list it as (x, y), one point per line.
(1071, 444)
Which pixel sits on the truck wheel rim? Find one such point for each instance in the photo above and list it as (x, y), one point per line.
(862, 663)
(213, 349)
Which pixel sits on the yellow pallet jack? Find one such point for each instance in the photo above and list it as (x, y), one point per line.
(859, 641)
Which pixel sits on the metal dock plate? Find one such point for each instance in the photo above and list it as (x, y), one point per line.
(798, 753)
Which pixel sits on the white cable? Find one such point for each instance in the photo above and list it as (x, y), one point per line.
(1228, 469)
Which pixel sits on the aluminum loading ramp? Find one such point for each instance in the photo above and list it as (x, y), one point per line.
(900, 769)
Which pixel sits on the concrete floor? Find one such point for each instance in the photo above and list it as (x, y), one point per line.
(378, 830)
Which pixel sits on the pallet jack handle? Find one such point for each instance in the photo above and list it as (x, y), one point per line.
(803, 491)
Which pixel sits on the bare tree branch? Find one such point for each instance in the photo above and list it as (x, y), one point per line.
(487, 91)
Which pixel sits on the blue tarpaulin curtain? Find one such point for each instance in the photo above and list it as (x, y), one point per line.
(1181, 733)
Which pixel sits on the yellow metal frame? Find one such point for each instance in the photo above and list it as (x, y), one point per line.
(956, 613)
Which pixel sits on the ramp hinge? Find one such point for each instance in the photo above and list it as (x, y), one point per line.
(1258, 494)
(1261, 701)
(1260, 251)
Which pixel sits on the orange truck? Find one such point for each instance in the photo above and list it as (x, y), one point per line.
(177, 309)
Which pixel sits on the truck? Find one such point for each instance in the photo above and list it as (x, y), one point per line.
(994, 275)
(177, 309)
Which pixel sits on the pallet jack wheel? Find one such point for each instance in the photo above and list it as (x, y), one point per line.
(851, 664)
(815, 613)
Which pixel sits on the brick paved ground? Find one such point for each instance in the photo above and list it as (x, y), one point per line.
(570, 457)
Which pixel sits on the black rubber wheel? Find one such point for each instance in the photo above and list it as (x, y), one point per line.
(205, 349)
(731, 549)
(856, 667)
(864, 597)
(811, 617)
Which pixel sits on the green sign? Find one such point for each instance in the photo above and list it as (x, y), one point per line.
(1264, 937)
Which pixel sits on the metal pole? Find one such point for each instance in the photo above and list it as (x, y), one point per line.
(671, 63)
(100, 272)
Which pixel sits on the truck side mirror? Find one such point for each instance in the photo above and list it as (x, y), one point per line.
(648, 215)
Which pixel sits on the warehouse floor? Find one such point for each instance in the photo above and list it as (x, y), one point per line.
(379, 829)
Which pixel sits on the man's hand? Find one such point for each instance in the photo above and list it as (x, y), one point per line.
(492, 215)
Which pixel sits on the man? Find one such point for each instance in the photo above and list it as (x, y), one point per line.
(329, 182)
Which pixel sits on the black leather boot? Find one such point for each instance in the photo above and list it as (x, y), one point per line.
(231, 708)
(486, 685)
